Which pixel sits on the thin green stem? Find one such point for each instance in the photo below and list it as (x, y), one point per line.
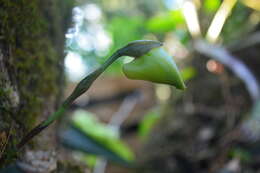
(134, 49)
(81, 88)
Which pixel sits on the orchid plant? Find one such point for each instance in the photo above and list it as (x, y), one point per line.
(151, 63)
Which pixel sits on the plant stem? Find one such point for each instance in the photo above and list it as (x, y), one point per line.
(135, 49)
(81, 88)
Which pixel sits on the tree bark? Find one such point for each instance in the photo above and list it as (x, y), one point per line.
(31, 74)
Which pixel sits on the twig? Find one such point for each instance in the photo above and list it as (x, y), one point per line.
(250, 128)
(100, 166)
(250, 40)
(116, 121)
(219, 20)
(238, 67)
(125, 109)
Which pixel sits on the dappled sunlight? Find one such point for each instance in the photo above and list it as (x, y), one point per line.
(175, 47)
(92, 13)
(75, 66)
(174, 4)
(163, 92)
(191, 18)
(219, 20)
(87, 36)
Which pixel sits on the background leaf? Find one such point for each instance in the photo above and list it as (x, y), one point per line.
(88, 135)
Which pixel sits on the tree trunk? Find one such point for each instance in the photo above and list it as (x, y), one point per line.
(31, 74)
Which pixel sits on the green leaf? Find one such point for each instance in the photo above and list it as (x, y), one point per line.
(148, 122)
(90, 159)
(155, 66)
(210, 6)
(101, 134)
(182, 35)
(88, 123)
(166, 22)
(188, 73)
(75, 139)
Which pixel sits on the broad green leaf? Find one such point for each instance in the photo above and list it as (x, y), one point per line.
(75, 139)
(88, 123)
(102, 134)
(155, 66)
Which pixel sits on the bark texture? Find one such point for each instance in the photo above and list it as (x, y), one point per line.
(31, 75)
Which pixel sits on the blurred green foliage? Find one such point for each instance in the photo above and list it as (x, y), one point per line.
(90, 159)
(147, 123)
(127, 21)
(122, 31)
(183, 35)
(211, 6)
(241, 154)
(237, 25)
(103, 134)
(166, 22)
(86, 121)
(124, 24)
(188, 73)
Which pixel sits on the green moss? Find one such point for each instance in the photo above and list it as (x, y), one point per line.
(28, 40)
(36, 74)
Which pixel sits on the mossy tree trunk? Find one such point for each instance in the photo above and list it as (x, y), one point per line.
(31, 71)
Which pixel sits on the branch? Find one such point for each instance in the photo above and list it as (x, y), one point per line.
(244, 43)
(234, 64)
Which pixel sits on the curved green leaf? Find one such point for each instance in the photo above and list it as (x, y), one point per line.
(155, 66)
(98, 138)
